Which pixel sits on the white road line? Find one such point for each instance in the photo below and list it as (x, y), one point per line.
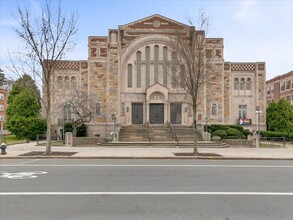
(145, 165)
(145, 193)
(20, 163)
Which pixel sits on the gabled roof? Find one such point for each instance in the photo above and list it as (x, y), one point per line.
(154, 21)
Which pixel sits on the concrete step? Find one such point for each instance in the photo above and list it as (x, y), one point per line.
(186, 144)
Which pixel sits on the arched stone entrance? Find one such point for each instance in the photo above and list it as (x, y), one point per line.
(157, 104)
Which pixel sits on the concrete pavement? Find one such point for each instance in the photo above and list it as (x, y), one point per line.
(15, 151)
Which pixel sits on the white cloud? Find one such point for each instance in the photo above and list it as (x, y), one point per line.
(247, 13)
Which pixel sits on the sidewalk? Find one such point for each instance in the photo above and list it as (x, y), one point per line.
(92, 152)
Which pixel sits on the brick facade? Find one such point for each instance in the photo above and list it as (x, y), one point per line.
(280, 87)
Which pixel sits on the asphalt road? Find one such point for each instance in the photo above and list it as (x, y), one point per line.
(145, 189)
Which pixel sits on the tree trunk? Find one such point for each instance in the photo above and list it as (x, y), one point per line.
(195, 151)
(48, 138)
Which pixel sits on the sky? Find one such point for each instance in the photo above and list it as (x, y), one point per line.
(253, 30)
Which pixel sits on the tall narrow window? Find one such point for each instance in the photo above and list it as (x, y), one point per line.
(173, 69)
(236, 84)
(282, 86)
(214, 109)
(182, 76)
(242, 81)
(67, 113)
(248, 84)
(156, 63)
(288, 84)
(129, 75)
(147, 66)
(98, 109)
(242, 111)
(60, 82)
(73, 82)
(67, 82)
(138, 69)
(165, 50)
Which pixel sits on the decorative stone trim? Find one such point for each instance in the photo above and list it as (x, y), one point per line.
(261, 67)
(84, 65)
(243, 67)
(226, 66)
(67, 65)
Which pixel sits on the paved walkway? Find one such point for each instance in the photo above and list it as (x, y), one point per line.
(14, 151)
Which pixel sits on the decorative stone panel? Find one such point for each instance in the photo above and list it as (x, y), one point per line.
(261, 67)
(84, 65)
(226, 66)
(243, 67)
(67, 65)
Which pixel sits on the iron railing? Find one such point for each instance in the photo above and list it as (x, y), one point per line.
(175, 137)
(149, 138)
(273, 141)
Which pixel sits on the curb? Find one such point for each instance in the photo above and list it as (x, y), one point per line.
(153, 158)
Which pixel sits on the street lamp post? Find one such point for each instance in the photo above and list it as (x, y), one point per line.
(63, 131)
(258, 113)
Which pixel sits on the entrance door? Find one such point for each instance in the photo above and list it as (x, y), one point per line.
(175, 111)
(137, 113)
(156, 113)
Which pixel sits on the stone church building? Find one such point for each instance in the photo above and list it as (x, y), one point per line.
(127, 79)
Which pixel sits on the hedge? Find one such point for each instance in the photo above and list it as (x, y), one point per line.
(221, 133)
(275, 134)
(235, 133)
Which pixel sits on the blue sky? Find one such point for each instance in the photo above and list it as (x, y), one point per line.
(253, 30)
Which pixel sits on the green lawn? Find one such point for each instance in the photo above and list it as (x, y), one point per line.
(11, 139)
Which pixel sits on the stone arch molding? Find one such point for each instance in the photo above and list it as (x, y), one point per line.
(157, 93)
(141, 42)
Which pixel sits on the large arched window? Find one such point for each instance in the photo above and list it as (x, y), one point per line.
(242, 82)
(67, 82)
(129, 75)
(156, 63)
(138, 69)
(60, 82)
(236, 84)
(73, 82)
(147, 66)
(248, 84)
(165, 53)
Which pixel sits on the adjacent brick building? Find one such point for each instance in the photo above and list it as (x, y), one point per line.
(126, 74)
(280, 87)
(3, 105)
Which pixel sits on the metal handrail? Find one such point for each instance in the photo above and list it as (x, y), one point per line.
(173, 132)
(147, 126)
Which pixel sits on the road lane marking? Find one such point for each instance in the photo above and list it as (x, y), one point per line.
(146, 165)
(20, 163)
(146, 193)
(21, 175)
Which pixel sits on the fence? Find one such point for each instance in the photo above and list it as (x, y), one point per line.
(273, 141)
(41, 138)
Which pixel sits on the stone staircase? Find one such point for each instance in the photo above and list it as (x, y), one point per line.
(160, 135)
(134, 133)
(185, 133)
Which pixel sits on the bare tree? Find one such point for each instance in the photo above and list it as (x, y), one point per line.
(192, 66)
(47, 38)
(81, 107)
